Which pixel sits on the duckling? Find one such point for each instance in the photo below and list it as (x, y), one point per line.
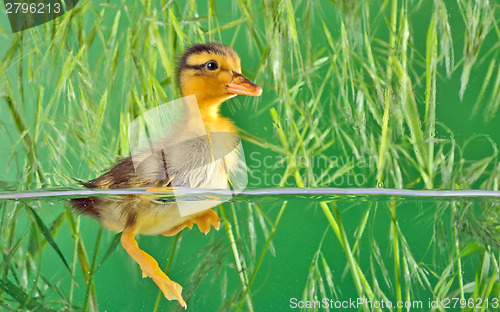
(212, 73)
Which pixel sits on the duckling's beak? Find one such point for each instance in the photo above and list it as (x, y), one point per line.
(241, 85)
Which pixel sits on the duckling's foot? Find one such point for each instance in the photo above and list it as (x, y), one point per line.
(171, 290)
(173, 231)
(206, 220)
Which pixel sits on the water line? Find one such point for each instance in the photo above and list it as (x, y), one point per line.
(253, 192)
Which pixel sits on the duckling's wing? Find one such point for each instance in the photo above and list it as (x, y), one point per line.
(123, 175)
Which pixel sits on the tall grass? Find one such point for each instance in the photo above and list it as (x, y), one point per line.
(352, 82)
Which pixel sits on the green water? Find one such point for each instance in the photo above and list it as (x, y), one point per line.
(303, 233)
(357, 95)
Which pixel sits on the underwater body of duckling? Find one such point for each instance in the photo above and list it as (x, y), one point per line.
(364, 171)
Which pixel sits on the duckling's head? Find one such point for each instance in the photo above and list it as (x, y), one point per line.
(212, 72)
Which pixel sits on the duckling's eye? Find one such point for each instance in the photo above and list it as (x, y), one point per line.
(212, 65)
